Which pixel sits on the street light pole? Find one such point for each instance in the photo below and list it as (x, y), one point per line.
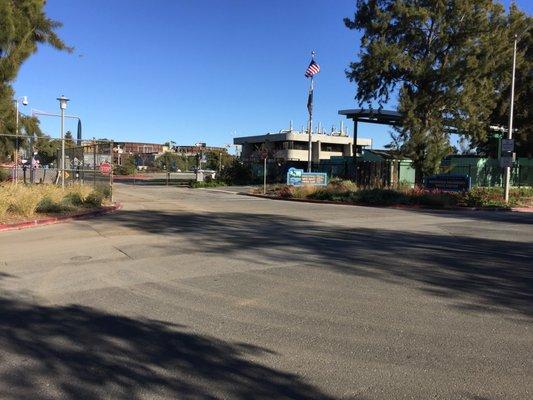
(62, 105)
(510, 132)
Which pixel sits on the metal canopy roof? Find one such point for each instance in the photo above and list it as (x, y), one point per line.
(383, 117)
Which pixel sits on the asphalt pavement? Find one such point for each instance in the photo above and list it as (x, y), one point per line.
(206, 294)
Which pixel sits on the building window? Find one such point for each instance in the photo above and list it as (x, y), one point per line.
(298, 145)
(332, 147)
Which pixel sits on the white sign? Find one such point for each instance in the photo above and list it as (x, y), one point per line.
(507, 145)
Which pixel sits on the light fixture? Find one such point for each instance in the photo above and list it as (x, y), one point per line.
(63, 102)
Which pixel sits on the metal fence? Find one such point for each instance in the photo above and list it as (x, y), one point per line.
(492, 175)
(364, 173)
(389, 173)
(89, 163)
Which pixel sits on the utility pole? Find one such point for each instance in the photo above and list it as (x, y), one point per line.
(510, 132)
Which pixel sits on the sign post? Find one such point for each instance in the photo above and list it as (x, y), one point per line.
(507, 171)
(506, 154)
(264, 154)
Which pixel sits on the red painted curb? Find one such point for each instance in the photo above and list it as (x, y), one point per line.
(397, 206)
(63, 218)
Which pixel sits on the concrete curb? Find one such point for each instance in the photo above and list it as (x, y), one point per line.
(217, 190)
(396, 206)
(60, 219)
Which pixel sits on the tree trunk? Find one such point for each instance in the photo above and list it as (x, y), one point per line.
(419, 176)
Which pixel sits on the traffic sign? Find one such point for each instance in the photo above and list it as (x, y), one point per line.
(264, 154)
(105, 168)
(507, 145)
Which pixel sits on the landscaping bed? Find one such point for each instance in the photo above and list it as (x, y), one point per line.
(21, 203)
(347, 192)
(207, 184)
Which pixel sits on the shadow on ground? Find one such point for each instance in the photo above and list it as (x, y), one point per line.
(479, 274)
(74, 352)
(509, 217)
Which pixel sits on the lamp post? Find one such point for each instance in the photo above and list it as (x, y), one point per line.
(63, 105)
(16, 152)
(510, 132)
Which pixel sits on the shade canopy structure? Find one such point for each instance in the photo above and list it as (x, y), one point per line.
(382, 117)
(371, 116)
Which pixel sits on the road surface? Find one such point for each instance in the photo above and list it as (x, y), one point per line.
(200, 294)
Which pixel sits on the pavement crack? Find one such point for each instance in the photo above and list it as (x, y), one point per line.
(123, 252)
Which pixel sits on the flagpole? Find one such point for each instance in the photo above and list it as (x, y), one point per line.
(310, 126)
(309, 130)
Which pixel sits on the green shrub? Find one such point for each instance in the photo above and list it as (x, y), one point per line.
(128, 167)
(72, 199)
(237, 174)
(4, 175)
(439, 199)
(345, 191)
(48, 205)
(321, 194)
(104, 190)
(94, 199)
(207, 184)
(484, 197)
(378, 196)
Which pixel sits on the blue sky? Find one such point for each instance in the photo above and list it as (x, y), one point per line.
(195, 70)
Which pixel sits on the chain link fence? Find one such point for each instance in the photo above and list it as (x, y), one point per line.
(37, 160)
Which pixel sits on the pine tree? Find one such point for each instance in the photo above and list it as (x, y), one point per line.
(523, 112)
(441, 58)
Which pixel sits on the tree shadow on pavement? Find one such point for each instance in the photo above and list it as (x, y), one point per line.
(75, 352)
(479, 274)
(509, 217)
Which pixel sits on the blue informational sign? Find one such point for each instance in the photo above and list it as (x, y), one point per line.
(297, 177)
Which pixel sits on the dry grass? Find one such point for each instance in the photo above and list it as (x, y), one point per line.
(303, 192)
(22, 201)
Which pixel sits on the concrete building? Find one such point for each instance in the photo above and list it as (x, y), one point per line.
(290, 145)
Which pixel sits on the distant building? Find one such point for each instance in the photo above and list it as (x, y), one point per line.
(139, 147)
(146, 153)
(194, 150)
(290, 145)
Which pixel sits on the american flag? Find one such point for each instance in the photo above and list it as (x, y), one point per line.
(312, 69)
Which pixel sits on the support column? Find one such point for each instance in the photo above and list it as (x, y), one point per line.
(355, 148)
(355, 138)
